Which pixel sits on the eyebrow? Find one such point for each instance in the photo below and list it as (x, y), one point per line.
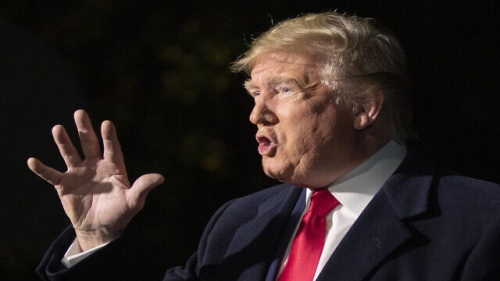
(271, 81)
(250, 85)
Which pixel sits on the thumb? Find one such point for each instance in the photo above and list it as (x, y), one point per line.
(137, 193)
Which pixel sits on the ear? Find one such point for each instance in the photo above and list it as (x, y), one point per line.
(367, 113)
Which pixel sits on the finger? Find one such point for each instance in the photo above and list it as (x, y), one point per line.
(112, 148)
(66, 148)
(138, 192)
(45, 172)
(88, 138)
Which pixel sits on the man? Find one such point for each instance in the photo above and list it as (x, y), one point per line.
(332, 114)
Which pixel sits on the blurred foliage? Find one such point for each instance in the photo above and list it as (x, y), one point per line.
(159, 70)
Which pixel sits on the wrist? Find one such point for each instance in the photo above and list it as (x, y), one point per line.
(90, 239)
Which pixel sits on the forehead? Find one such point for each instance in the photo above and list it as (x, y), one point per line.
(283, 66)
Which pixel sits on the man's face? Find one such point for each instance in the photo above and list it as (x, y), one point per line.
(304, 137)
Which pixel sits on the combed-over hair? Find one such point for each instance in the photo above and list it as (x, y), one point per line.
(355, 56)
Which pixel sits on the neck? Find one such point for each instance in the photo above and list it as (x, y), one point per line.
(365, 148)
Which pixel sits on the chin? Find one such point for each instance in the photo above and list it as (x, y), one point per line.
(277, 175)
(282, 177)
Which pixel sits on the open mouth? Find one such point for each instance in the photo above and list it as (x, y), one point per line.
(266, 146)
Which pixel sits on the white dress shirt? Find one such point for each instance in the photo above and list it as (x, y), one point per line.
(354, 191)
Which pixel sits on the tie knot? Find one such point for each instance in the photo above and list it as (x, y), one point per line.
(322, 202)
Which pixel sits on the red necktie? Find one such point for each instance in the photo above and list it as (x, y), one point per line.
(310, 239)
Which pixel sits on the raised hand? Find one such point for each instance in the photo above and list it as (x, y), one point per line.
(95, 192)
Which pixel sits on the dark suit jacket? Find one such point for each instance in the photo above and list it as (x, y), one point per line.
(424, 224)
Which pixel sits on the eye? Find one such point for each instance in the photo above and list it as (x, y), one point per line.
(255, 93)
(286, 89)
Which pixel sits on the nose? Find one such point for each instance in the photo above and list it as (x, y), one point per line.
(261, 113)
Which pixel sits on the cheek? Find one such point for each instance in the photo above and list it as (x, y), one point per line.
(304, 136)
(305, 127)
(324, 133)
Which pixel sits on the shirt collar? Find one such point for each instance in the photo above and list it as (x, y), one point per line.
(357, 188)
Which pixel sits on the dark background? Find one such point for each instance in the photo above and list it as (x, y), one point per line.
(159, 70)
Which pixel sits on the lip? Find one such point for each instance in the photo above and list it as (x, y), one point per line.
(267, 147)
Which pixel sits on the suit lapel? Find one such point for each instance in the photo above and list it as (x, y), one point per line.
(367, 243)
(254, 244)
(286, 236)
(380, 229)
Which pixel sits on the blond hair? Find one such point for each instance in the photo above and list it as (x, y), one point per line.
(355, 56)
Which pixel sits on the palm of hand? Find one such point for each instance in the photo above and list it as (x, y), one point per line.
(94, 195)
(95, 192)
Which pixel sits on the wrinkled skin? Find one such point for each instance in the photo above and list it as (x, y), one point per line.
(305, 137)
